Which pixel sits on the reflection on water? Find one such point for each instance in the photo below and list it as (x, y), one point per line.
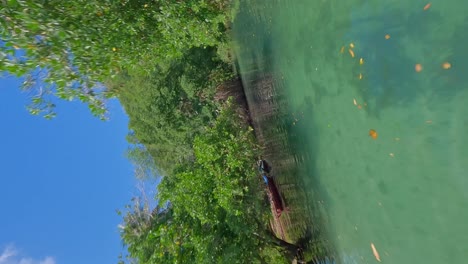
(403, 190)
(303, 222)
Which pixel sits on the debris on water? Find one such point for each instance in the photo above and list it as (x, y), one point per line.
(351, 45)
(342, 49)
(373, 134)
(361, 61)
(351, 52)
(375, 252)
(392, 155)
(446, 65)
(354, 101)
(360, 76)
(359, 107)
(426, 7)
(428, 121)
(387, 36)
(418, 67)
(397, 139)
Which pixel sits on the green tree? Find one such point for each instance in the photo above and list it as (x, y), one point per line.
(171, 104)
(218, 214)
(68, 48)
(221, 189)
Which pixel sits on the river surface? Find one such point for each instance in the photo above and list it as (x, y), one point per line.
(380, 143)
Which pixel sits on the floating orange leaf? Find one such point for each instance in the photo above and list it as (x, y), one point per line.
(351, 52)
(373, 134)
(426, 7)
(387, 36)
(418, 67)
(446, 65)
(374, 251)
(342, 49)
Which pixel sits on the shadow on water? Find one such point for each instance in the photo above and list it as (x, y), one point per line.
(390, 77)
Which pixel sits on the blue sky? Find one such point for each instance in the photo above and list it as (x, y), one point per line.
(61, 182)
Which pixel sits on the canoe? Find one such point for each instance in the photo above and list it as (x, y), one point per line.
(275, 196)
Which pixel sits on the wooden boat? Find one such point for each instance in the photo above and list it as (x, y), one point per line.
(273, 194)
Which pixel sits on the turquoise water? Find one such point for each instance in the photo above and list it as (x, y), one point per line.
(407, 190)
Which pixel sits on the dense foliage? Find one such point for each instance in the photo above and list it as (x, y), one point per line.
(214, 208)
(67, 48)
(211, 201)
(171, 104)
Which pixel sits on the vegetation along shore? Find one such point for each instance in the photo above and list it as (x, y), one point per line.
(171, 65)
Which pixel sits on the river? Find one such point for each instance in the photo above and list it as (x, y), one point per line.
(370, 99)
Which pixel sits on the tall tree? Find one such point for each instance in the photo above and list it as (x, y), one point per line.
(171, 104)
(218, 214)
(68, 48)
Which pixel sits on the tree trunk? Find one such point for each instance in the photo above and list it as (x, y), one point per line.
(289, 249)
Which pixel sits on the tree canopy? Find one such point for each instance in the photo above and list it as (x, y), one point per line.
(68, 49)
(215, 211)
(170, 105)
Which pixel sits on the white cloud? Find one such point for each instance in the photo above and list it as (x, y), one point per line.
(10, 255)
(7, 253)
(48, 260)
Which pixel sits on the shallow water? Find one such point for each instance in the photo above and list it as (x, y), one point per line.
(407, 190)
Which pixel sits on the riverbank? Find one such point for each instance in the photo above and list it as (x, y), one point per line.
(270, 119)
(190, 116)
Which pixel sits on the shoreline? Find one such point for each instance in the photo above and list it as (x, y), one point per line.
(266, 109)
